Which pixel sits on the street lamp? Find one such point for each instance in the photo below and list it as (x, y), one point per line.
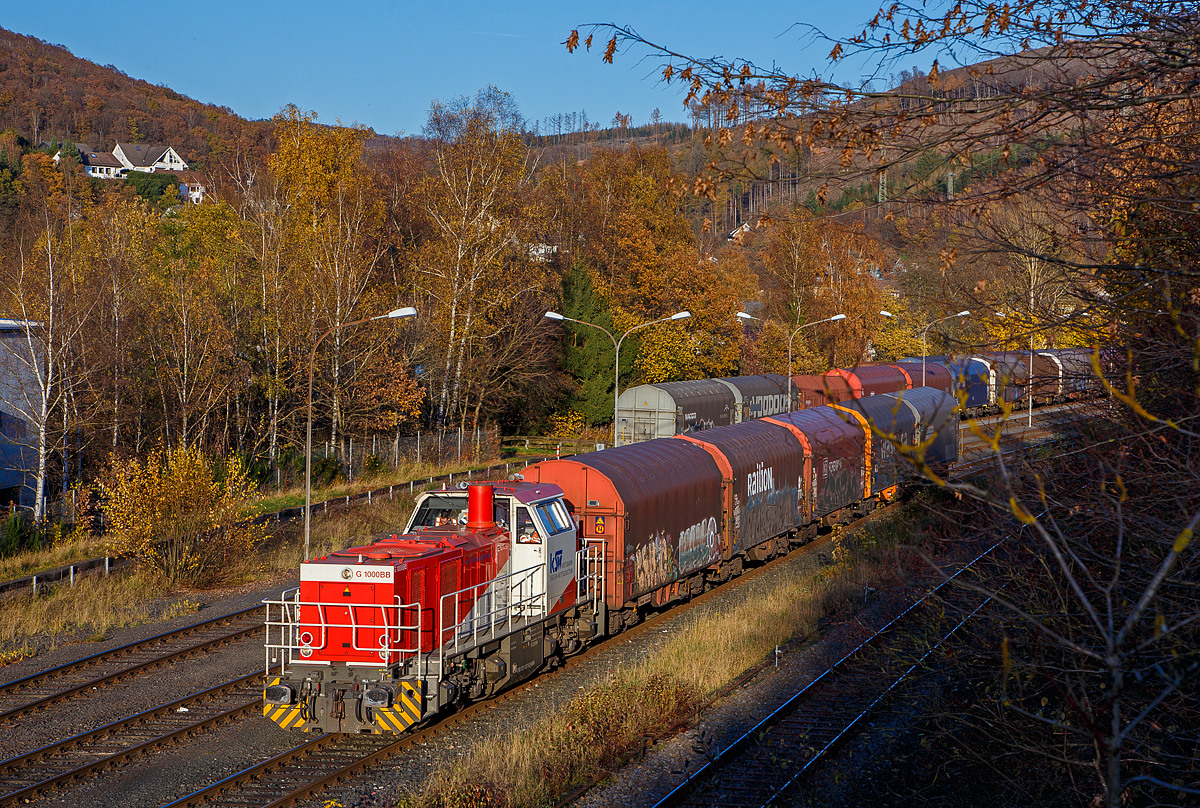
(407, 311)
(925, 331)
(800, 328)
(741, 315)
(679, 315)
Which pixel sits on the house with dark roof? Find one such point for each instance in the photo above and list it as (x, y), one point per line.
(143, 157)
(100, 164)
(148, 157)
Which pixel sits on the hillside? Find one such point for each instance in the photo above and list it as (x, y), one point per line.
(48, 94)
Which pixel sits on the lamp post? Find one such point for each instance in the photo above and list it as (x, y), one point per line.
(800, 328)
(679, 315)
(925, 331)
(408, 311)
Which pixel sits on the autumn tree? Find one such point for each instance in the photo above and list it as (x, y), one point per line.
(117, 241)
(46, 288)
(814, 270)
(189, 293)
(478, 199)
(624, 212)
(334, 212)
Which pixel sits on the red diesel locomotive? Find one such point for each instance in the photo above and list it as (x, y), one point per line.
(486, 586)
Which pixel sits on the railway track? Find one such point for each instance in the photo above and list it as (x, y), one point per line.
(308, 768)
(57, 765)
(759, 767)
(56, 684)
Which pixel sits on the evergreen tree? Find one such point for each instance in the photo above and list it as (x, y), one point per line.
(588, 354)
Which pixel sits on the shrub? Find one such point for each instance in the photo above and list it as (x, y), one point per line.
(178, 514)
(325, 472)
(373, 467)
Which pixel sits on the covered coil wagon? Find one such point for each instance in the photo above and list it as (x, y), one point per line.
(655, 507)
(650, 411)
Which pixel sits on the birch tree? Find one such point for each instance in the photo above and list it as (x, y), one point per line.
(476, 198)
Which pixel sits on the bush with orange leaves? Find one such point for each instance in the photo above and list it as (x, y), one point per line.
(179, 515)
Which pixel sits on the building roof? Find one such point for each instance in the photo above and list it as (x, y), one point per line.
(142, 154)
(98, 159)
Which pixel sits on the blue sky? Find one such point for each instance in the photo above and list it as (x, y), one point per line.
(380, 64)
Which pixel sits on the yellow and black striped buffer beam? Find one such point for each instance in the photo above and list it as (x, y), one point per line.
(285, 715)
(406, 711)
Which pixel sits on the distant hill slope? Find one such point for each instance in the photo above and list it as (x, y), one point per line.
(46, 93)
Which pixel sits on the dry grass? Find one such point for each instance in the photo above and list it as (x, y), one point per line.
(294, 497)
(93, 606)
(594, 731)
(357, 526)
(59, 555)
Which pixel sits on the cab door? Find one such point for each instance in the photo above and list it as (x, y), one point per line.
(528, 564)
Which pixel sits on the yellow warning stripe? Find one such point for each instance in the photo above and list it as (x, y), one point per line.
(268, 707)
(285, 715)
(408, 709)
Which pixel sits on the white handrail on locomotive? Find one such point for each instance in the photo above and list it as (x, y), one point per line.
(507, 609)
(291, 630)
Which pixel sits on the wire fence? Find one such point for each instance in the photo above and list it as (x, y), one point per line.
(359, 456)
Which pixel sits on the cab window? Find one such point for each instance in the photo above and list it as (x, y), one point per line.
(437, 511)
(555, 519)
(500, 515)
(527, 532)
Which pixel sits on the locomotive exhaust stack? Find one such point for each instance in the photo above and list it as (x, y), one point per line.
(480, 504)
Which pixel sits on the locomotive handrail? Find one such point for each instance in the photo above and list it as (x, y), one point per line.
(499, 610)
(291, 635)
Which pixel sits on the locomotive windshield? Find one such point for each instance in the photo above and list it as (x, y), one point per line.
(439, 510)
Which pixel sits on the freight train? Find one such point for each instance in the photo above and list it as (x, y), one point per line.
(488, 585)
(649, 411)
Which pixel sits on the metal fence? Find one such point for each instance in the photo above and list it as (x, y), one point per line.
(360, 456)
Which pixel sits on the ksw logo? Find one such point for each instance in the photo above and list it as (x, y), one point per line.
(556, 562)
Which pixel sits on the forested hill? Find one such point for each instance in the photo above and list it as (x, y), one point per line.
(46, 93)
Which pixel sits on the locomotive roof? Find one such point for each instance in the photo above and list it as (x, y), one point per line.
(520, 490)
